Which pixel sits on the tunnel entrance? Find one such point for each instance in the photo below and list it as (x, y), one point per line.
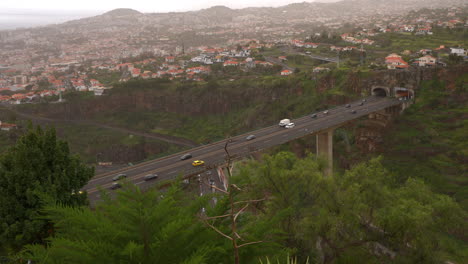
(382, 92)
(404, 93)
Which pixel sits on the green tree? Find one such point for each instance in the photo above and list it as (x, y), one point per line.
(363, 214)
(455, 59)
(38, 165)
(135, 227)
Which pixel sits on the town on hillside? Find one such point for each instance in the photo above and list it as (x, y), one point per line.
(44, 64)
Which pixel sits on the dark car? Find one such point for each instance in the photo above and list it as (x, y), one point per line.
(250, 137)
(186, 156)
(115, 185)
(348, 106)
(151, 176)
(353, 112)
(313, 115)
(119, 177)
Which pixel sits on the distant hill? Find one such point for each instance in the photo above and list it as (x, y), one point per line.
(219, 15)
(122, 12)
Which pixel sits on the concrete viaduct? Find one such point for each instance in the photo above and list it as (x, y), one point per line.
(384, 104)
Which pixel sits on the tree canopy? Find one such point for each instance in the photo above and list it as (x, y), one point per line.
(363, 214)
(286, 204)
(136, 227)
(38, 167)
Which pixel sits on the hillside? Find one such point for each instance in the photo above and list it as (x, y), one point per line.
(219, 15)
(430, 141)
(427, 143)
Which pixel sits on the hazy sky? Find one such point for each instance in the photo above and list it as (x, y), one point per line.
(140, 5)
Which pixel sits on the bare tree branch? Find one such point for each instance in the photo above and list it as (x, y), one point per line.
(251, 201)
(235, 186)
(218, 189)
(240, 211)
(214, 217)
(218, 231)
(250, 243)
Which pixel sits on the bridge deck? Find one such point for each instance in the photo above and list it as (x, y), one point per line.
(170, 167)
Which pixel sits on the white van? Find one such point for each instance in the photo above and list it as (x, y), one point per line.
(284, 122)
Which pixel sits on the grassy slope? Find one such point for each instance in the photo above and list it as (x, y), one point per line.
(87, 141)
(430, 141)
(408, 41)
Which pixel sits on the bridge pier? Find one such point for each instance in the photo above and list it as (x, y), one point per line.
(324, 142)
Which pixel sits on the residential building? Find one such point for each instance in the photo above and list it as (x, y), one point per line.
(427, 60)
(286, 72)
(458, 51)
(395, 61)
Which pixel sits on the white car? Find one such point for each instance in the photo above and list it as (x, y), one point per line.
(290, 125)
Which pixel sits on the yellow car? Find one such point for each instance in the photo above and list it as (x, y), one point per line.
(198, 163)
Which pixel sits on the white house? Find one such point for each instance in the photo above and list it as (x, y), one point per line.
(320, 69)
(458, 51)
(427, 60)
(286, 72)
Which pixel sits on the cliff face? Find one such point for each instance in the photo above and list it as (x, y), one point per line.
(214, 99)
(370, 133)
(186, 101)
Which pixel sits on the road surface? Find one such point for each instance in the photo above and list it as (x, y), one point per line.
(170, 167)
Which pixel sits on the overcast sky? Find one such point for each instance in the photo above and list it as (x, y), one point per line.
(140, 5)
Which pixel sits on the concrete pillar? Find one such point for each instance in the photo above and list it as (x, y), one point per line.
(325, 148)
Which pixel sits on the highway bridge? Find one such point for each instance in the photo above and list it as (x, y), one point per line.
(214, 155)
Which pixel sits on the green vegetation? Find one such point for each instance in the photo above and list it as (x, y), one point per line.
(137, 227)
(398, 42)
(430, 141)
(347, 214)
(93, 142)
(289, 209)
(150, 227)
(205, 112)
(38, 167)
(106, 77)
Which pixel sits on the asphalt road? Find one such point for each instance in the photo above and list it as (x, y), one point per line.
(170, 167)
(289, 50)
(279, 62)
